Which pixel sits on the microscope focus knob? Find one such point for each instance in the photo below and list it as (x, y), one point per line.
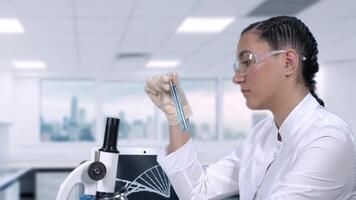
(97, 171)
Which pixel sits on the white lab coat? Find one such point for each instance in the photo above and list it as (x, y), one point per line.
(316, 160)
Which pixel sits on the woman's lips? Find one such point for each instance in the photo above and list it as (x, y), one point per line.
(245, 91)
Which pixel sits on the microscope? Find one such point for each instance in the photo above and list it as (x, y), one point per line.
(98, 175)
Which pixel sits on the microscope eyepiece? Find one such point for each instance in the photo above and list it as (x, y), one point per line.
(111, 133)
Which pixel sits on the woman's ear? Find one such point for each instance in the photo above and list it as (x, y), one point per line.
(292, 62)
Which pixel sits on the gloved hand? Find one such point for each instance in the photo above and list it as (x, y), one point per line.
(158, 89)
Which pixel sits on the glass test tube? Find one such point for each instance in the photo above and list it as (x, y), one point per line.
(180, 112)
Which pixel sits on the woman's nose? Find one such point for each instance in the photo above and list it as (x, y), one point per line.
(238, 77)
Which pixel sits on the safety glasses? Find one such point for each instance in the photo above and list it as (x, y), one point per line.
(249, 59)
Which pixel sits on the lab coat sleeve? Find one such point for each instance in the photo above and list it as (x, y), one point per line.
(191, 180)
(321, 169)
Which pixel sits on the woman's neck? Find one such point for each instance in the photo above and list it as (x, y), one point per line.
(285, 103)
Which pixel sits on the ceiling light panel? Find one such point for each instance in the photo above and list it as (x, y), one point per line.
(11, 26)
(29, 64)
(162, 63)
(204, 25)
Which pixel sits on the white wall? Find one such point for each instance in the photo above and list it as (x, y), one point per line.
(5, 96)
(339, 90)
(4, 143)
(5, 111)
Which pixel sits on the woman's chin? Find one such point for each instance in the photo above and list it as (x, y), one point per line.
(252, 105)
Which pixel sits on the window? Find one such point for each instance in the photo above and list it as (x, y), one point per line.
(67, 111)
(129, 102)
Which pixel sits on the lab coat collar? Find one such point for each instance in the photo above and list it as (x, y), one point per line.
(296, 118)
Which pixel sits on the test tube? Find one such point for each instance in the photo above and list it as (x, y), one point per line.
(180, 112)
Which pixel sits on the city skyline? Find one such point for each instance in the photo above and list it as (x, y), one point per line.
(68, 115)
(74, 127)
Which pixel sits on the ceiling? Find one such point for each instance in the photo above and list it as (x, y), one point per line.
(87, 36)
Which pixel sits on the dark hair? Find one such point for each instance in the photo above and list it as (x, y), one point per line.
(286, 31)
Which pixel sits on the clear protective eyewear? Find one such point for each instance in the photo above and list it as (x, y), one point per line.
(249, 59)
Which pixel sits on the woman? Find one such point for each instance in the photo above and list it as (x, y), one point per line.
(303, 152)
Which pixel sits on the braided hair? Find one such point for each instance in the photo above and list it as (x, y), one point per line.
(286, 31)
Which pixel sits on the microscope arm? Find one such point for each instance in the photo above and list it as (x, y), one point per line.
(97, 176)
(78, 176)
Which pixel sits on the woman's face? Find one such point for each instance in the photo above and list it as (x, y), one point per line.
(260, 83)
